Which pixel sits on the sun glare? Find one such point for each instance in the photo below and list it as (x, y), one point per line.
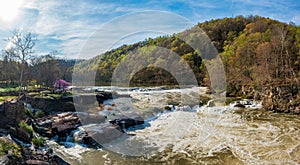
(9, 9)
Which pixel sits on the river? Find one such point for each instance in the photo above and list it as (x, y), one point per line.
(188, 134)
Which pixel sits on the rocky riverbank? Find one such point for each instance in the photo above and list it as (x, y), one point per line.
(27, 126)
(277, 97)
(93, 120)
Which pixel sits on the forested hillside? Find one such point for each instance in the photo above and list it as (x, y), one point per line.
(254, 50)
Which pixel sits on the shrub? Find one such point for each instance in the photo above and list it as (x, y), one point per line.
(26, 127)
(38, 141)
(67, 94)
(28, 112)
(293, 103)
(39, 114)
(7, 146)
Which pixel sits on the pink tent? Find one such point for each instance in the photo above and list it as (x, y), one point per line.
(61, 84)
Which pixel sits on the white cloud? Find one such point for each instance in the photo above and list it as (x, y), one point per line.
(129, 27)
(73, 23)
(57, 20)
(296, 20)
(67, 25)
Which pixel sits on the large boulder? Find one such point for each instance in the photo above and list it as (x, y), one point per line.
(11, 113)
(102, 96)
(21, 134)
(60, 124)
(128, 120)
(52, 105)
(83, 101)
(98, 134)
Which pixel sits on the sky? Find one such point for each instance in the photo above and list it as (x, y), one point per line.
(67, 26)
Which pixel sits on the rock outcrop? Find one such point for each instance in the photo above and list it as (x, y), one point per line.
(282, 98)
(98, 134)
(11, 113)
(52, 105)
(277, 97)
(56, 125)
(128, 120)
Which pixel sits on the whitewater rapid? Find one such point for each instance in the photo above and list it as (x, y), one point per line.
(194, 134)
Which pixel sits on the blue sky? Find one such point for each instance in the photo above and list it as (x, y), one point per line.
(67, 25)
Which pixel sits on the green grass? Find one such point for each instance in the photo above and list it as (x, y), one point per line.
(39, 114)
(58, 95)
(38, 141)
(28, 112)
(5, 98)
(9, 89)
(26, 127)
(54, 95)
(6, 146)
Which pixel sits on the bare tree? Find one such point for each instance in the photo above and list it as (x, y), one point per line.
(21, 49)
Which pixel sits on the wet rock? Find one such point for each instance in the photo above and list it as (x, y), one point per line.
(41, 156)
(102, 96)
(52, 105)
(56, 160)
(185, 108)
(88, 99)
(246, 102)
(36, 162)
(4, 159)
(98, 134)
(169, 107)
(239, 105)
(43, 127)
(20, 134)
(127, 121)
(59, 124)
(83, 102)
(79, 135)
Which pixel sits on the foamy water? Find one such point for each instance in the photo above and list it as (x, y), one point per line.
(207, 135)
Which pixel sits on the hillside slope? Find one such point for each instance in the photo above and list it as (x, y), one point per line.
(255, 51)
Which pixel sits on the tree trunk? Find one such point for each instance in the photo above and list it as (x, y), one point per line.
(21, 81)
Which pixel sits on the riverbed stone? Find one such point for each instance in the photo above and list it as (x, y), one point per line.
(21, 134)
(60, 124)
(37, 162)
(128, 120)
(98, 134)
(239, 105)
